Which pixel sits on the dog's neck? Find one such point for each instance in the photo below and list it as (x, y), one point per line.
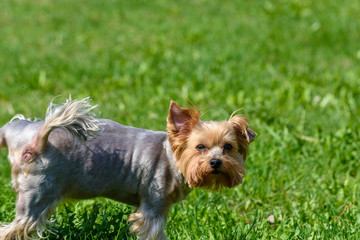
(183, 187)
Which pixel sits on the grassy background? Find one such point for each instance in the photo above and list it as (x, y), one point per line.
(292, 65)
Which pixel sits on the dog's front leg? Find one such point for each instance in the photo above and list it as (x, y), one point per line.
(149, 221)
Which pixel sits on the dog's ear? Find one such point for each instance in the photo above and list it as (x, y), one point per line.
(251, 134)
(179, 117)
(241, 128)
(244, 134)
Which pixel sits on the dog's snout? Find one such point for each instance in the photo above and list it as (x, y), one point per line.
(215, 163)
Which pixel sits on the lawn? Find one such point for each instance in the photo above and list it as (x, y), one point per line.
(292, 66)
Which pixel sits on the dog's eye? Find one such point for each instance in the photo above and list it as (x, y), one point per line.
(200, 147)
(227, 147)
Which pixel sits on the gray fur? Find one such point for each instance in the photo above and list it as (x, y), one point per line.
(127, 164)
(74, 155)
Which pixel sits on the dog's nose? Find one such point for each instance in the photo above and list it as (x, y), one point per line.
(215, 163)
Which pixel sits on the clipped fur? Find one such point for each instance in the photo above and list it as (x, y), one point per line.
(150, 170)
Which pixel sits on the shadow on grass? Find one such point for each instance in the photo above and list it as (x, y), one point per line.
(107, 220)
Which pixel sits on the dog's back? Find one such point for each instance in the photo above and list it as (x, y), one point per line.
(115, 164)
(74, 155)
(121, 157)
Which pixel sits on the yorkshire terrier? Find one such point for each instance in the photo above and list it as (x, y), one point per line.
(73, 154)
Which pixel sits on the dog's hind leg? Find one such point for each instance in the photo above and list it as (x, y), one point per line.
(32, 209)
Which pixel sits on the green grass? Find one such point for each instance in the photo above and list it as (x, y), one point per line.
(293, 66)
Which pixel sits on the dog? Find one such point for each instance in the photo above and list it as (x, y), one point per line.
(72, 154)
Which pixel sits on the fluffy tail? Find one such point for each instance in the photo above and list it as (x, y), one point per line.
(74, 116)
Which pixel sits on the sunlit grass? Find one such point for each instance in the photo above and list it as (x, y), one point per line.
(293, 66)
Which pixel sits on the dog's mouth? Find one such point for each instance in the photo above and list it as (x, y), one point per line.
(215, 171)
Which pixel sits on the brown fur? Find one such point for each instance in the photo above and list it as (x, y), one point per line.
(243, 134)
(186, 132)
(185, 118)
(147, 225)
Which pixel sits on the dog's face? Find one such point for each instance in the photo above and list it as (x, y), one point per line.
(209, 154)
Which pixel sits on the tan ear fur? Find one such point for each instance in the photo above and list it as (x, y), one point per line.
(180, 122)
(244, 134)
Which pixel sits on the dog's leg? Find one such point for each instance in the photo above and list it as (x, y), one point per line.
(148, 222)
(32, 210)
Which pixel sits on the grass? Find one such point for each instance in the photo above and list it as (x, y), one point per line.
(293, 66)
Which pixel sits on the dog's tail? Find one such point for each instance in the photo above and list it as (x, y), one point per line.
(74, 116)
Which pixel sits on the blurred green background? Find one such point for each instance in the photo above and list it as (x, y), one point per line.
(292, 66)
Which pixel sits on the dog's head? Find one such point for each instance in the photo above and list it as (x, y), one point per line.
(209, 154)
